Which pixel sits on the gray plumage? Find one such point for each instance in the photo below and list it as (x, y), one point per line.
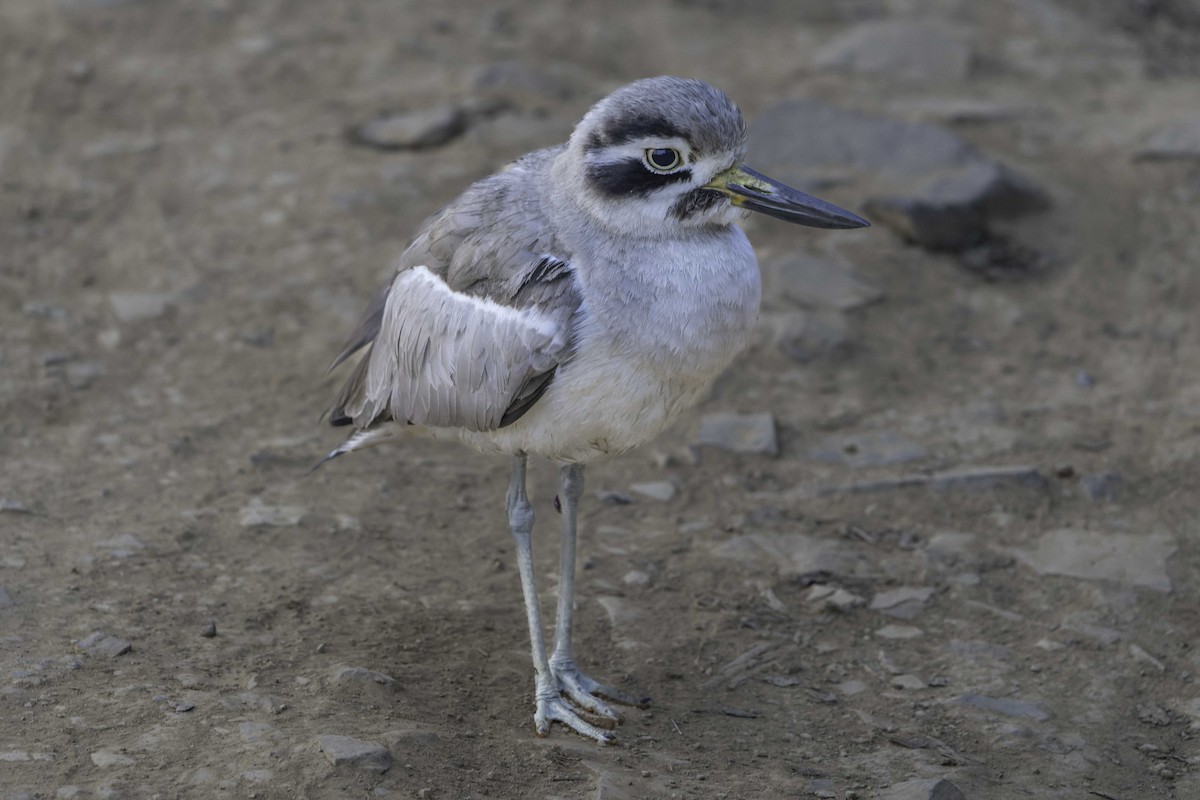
(572, 306)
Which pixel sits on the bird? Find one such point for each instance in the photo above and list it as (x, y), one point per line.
(571, 306)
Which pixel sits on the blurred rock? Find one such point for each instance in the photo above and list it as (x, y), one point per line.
(899, 632)
(1008, 706)
(905, 602)
(739, 433)
(923, 789)
(913, 50)
(809, 280)
(342, 750)
(797, 138)
(107, 758)
(100, 643)
(258, 515)
(834, 598)
(6, 599)
(120, 145)
(908, 683)
(951, 213)
(139, 306)
(363, 677)
(1136, 560)
(1176, 140)
(1102, 486)
(663, 491)
(621, 612)
(410, 130)
(926, 182)
(806, 336)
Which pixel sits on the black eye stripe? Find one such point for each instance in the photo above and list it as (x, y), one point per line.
(631, 178)
(632, 129)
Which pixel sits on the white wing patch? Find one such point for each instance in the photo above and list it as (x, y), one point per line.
(447, 359)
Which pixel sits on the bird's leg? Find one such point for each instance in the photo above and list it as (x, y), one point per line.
(550, 705)
(584, 691)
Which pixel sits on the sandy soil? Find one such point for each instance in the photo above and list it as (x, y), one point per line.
(187, 234)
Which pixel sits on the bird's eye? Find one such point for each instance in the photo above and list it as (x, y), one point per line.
(662, 159)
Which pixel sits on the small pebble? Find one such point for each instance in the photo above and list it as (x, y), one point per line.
(209, 630)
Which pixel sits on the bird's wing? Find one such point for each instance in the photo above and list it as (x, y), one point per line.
(471, 330)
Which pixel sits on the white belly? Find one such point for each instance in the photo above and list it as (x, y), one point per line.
(640, 362)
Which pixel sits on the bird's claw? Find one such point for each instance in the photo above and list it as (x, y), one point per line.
(556, 709)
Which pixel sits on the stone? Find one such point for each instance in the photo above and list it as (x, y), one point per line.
(663, 491)
(1103, 487)
(802, 137)
(636, 578)
(899, 632)
(82, 375)
(101, 644)
(410, 130)
(905, 602)
(952, 212)
(10, 505)
(739, 433)
(865, 449)
(118, 145)
(1132, 559)
(911, 50)
(364, 677)
(908, 683)
(834, 598)
(1007, 706)
(139, 306)
(345, 751)
(257, 732)
(6, 599)
(851, 687)
(806, 336)
(257, 775)
(209, 630)
(258, 515)
(621, 613)
(811, 281)
(122, 546)
(1176, 140)
(106, 758)
(923, 789)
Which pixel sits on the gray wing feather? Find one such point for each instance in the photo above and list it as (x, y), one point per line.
(445, 359)
(471, 330)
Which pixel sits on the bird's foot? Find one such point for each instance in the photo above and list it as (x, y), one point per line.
(586, 693)
(554, 708)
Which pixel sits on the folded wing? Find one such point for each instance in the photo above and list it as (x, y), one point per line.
(443, 358)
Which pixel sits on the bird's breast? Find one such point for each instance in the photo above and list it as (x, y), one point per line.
(651, 337)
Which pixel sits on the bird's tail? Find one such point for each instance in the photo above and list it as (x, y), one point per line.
(361, 439)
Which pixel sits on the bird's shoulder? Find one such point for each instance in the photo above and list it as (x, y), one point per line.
(497, 240)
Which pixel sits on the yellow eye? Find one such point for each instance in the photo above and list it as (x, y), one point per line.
(662, 159)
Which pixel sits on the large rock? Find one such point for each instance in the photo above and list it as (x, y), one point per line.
(1136, 560)
(925, 182)
(1176, 140)
(345, 751)
(917, 50)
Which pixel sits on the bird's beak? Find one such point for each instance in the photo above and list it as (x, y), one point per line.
(755, 191)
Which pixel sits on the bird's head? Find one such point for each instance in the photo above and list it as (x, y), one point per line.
(663, 155)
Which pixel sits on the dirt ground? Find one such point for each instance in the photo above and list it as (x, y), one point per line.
(187, 234)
